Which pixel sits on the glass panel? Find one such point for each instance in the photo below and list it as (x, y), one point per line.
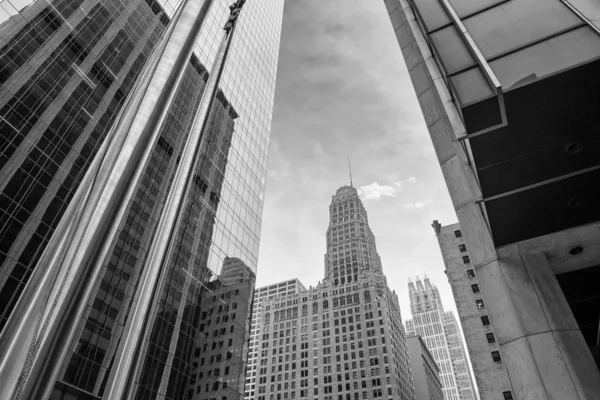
(549, 57)
(66, 68)
(471, 86)
(452, 49)
(517, 23)
(433, 13)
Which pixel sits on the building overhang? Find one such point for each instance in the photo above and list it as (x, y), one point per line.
(540, 173)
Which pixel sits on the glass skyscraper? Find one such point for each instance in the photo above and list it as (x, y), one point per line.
(66, 69)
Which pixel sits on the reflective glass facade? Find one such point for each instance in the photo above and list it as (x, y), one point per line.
(66, 68)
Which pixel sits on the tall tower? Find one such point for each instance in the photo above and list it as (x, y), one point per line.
(342, 339)
(66, 70)
(440, 332)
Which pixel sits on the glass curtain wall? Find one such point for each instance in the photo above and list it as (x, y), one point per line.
(66, 68)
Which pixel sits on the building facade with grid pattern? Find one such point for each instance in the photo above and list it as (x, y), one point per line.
(439, 331)
(281, 289)
(67, 68)
(344, 338)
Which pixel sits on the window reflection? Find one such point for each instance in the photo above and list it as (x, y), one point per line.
(66, 67)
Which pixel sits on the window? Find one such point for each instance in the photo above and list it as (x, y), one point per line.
(490, 337)
(496, 356)
(507, 395)
(462, 247)
(480, 304)
(458, 234)
(470, 273)
(485, 320)
(466, 259)
(475, 288)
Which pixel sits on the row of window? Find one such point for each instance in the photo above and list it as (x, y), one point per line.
(304, 393)
(481, 305)
(485, 320)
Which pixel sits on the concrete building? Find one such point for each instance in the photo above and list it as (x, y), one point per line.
(67, 67)
(490, 372)
(344, 338)
(425, 372)
(509, 93)
(440, 333)
(282, 289)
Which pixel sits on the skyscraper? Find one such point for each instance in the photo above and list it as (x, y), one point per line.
(67, 69)
(439, 331)
(489, 370)
(508, 90)
(344, 338)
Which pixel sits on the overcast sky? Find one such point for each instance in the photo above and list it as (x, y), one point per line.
(343, 91)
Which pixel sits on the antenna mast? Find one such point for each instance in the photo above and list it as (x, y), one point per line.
(350, 171)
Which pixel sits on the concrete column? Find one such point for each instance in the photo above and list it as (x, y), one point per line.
(540, 342)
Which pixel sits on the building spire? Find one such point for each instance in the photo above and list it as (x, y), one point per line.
(350, 171)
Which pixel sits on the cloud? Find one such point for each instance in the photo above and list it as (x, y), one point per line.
(418, 204)
(375, 191)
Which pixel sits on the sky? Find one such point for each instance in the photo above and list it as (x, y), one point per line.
(343, 91)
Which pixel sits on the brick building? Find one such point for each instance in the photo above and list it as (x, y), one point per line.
(285, 288)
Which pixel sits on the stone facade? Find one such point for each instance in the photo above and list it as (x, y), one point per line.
(285, 288)
(523, 231)
(425, 372)
(491, 376)
(440, 333)
(340, 340)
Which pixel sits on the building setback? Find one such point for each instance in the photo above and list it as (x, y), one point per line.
(440, 333)
(66, 69)
(509, 93)
(425, 372)
(344, 338)
(490, 372)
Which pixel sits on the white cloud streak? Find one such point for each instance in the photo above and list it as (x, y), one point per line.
(375, 191)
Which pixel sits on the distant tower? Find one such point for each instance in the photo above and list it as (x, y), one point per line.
(442, 337)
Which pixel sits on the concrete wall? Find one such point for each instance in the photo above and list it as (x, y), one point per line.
(541, 346)
(491, 377)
